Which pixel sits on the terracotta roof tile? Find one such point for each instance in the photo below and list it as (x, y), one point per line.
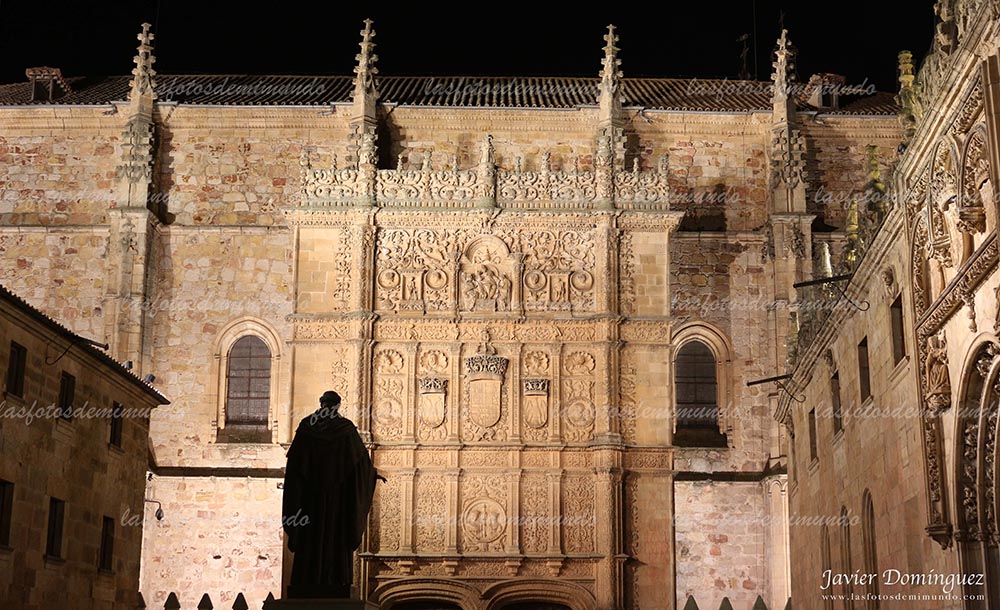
(693, 95)
(56, 327)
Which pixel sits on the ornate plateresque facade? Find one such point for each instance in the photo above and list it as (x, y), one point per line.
(500, 285)
(914, 366)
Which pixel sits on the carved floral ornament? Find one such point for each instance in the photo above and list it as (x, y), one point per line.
(484, 185)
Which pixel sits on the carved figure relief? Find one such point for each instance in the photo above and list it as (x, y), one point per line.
(938, 394)
(487, 269)
(483, 517)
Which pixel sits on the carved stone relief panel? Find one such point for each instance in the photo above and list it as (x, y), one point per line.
(534, 513)
(627, 411)
(488, 274)
(433, 389)
(389, 399)
(483, 518)
(558, 270)
(430, 512)
(536, 371)
(386, 529)
(578, 513)
(577, 396)
(414, 269)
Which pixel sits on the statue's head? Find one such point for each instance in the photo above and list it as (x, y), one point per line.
(329, 400)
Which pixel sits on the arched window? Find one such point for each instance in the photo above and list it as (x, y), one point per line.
(845, 556)
(696, 392)
(868, 542)
(248, 392)
(825, 557)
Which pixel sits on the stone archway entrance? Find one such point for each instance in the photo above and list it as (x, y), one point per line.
(535, 606)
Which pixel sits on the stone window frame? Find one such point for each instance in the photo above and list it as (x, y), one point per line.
(826, 557)
(233, 332)
(869, 547)
(722, 349)
(846, 559)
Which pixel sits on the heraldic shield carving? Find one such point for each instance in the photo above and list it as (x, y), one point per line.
(536, 402)
(432, 395)
(485, 374)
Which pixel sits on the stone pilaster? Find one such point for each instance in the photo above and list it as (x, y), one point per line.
(132, 223)
(608, 515)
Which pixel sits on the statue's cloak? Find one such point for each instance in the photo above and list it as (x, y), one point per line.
(329, 483)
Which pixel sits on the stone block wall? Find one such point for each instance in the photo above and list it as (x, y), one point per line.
(73, 460)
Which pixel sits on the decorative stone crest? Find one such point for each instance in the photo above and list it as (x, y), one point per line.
(485, 373)
(536, 402)
(432, 400)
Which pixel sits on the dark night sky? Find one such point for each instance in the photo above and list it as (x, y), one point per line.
(857, 38)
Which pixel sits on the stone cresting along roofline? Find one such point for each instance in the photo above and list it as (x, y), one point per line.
(513, 92)
(78, 341)
(542, 189)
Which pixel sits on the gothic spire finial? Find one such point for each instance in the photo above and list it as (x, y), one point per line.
(365, 94)
(610, 89)
(910, 110)
(784, 67)
(143, 74)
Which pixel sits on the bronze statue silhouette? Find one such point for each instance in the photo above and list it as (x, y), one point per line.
(329, 483)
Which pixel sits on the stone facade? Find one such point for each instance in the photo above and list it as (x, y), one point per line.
(905, 481)
(77, 459)
(498, 293)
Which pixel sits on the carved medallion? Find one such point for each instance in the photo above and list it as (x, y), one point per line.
(484, 521)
